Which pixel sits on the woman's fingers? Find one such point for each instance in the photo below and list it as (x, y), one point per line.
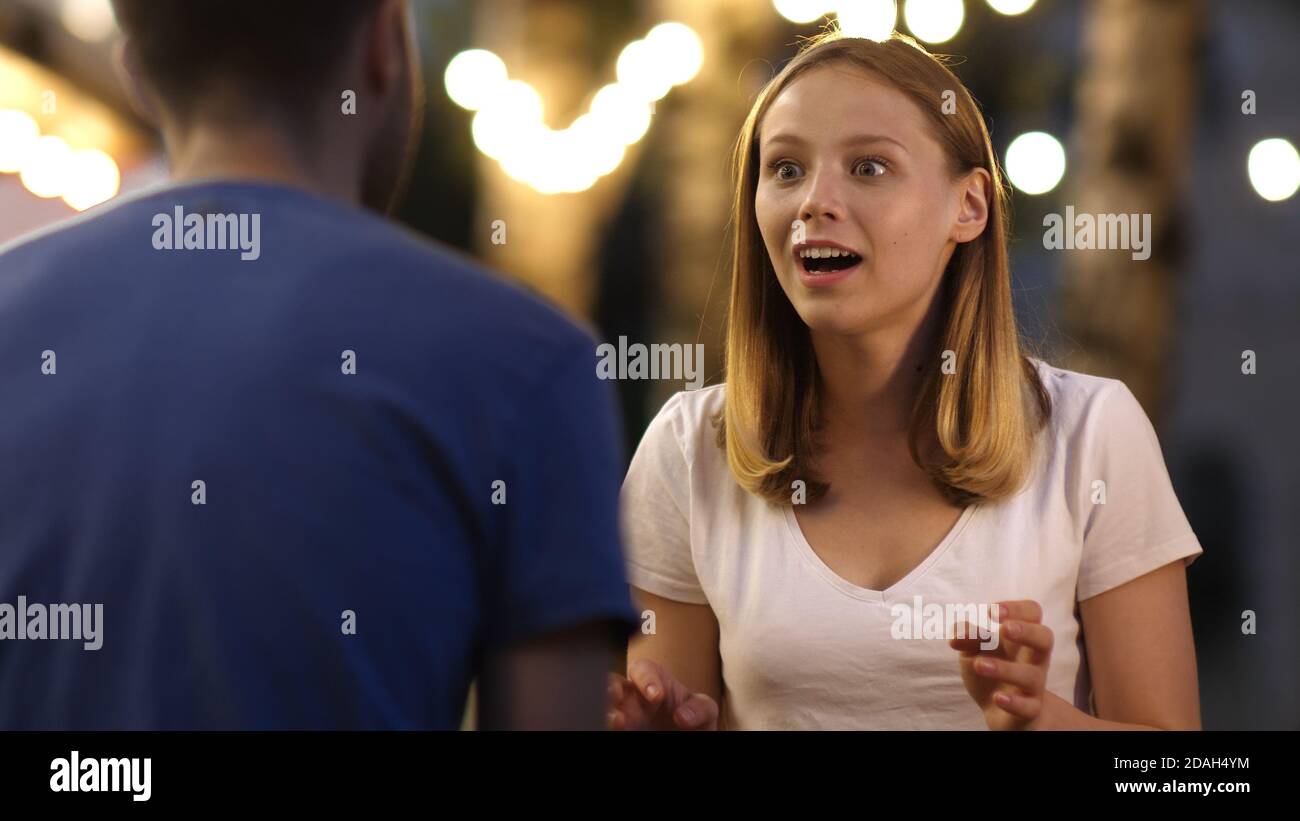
(1038, 637)
(969, 639)
(1021, 706)
(1016, 659)
(1021, 625)
(1022, 610)
(616, 691)
(649, 679)
(699, 712)
(1028, 677)
(628, 708)
(616, 688)
(615, 720)
(654, 699)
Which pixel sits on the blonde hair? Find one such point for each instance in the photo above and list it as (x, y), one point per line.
(984, 414)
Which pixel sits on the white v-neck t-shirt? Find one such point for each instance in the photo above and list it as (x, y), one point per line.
(803, 648)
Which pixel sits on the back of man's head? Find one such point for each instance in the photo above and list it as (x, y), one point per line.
(283, 65)
(280, 53)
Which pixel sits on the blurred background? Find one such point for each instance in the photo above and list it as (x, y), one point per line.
(593, 137)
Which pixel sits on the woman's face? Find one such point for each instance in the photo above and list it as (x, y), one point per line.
(854, 160)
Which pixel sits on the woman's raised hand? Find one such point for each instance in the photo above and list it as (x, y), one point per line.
(649, 698)
(1009, 681)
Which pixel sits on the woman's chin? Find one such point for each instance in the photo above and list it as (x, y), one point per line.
(832, 320)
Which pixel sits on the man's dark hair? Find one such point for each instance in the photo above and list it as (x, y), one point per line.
(272, 52)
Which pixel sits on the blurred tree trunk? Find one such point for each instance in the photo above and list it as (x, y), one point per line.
(1128, 151)
(566, 50)
(695, 133)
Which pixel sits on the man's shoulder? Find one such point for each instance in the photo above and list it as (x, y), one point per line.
(333, 250)
(423, 269)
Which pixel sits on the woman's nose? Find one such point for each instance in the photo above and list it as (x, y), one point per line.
(823, 200)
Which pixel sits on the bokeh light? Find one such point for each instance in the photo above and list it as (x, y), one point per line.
(45, 168)
(89, 20)
(474, 77)
(1035, 162)
(870, 19)
(1010, 7)
(678, 51)
(18, 133)
(934, 21)
(802, 11)
(509, 125)
(92, 177)
(1274, 169)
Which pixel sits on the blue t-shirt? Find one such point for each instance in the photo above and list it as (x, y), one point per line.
(309, 466)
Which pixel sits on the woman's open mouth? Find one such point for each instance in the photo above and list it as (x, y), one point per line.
(821, 265)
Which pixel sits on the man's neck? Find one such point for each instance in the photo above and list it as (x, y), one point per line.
(258, 154)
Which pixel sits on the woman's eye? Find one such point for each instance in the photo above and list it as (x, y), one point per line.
(787, 170)
(877, 167)
(781, 167)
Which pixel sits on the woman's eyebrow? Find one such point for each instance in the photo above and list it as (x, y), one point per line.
(856, 139)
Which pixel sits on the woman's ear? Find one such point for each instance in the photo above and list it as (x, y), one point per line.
(974, 190)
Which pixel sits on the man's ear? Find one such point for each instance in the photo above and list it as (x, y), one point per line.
(975, 189)
(387, 50)
(126, 64)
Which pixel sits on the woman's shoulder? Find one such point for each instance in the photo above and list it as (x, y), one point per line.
(1080, 400)
(690, 417)
(700, 404)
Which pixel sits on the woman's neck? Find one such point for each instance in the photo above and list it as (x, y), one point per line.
(869, 382)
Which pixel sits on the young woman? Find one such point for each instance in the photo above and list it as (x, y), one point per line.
(883, 446)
